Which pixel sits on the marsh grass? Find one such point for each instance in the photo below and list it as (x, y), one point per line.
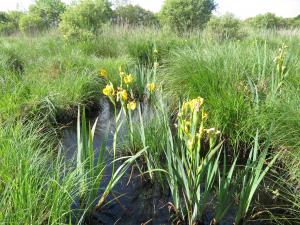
(252, 176)
(225, 190)
(35, 186)
(243, 87)
(51, 70)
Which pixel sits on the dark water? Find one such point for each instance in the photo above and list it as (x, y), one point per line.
(135, 200)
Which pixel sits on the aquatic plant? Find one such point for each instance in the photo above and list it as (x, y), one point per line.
(124, 95)
(225, 190)
(191, 168)
(252, 176)
(91, 169)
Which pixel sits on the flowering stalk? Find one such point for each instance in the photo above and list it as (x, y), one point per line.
(281, 71)
(188, 165)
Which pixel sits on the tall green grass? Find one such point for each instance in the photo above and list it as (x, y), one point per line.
(244, 87)
(36, 187)
(252, 176)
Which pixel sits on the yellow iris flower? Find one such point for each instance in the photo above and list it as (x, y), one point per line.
(186, 126)
(128, 79)
(109, 90)
(122, 95)
(131, 105)
(103, 73)
(151, 87)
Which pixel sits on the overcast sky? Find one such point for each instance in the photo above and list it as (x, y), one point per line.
(240, 8)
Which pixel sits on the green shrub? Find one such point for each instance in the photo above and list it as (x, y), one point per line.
(184, 15)
(294, 22)
(83, 20)
(9, 22)
(49, 11)
(267, 21)
(224, 28)
(134, 15)
(31, 23)
(6, 28)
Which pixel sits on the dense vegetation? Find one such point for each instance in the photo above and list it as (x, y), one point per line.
(222, 131)
(88, 16)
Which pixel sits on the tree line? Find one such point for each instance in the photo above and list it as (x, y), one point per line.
(85, 18)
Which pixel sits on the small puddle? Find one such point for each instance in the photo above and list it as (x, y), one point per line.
(134, 200)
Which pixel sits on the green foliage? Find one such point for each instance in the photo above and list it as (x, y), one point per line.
(267, 21)
(90, 170)
(225, 190)
(134, 15)
(42, 15)
(5, 26)
(191, 167)
(9, 22)
(85, 19)
(204, 70)
(49, 11)
(11, 60)
(294, 22)
(252, 176)
(31, 24)
(236, 79)
(142, 51)
(64, 73)
(183, 15)
(35, 187)
(148, 132)
(226, 27)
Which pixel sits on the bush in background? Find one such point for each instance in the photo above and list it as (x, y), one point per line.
(134, 15)
(49, 11)
(31, 24)
(83, 20)
(182, 15)
(226, 27)
(267, 21)
(294, 22)
(9, 22)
